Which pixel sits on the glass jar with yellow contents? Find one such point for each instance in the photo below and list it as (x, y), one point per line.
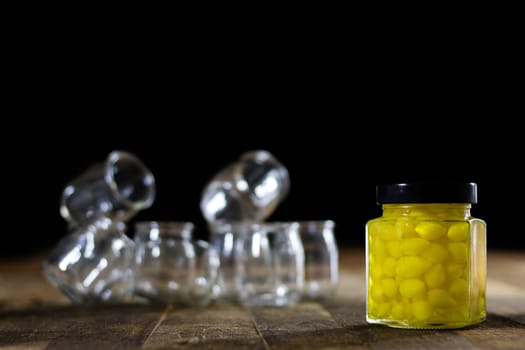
(426, 257)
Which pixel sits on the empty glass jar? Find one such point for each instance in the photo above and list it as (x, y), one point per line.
(117, 188)
(171, 267)
(249, 189)
(93, 264)
(269, 262)
(223, 236)
(321, 258)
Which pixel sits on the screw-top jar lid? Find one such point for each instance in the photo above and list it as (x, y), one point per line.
(427, 192)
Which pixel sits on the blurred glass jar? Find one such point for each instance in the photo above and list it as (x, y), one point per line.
(171, 267)
(249, 189)
(117, 188)
(93, 264)
(222, 238)
(321, 258)
(269, 262)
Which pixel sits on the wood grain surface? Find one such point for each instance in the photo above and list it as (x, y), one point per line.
(34, 315)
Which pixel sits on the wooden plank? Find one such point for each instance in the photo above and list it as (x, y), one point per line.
(34, 315)
(496, 333)
(349, 314)
(218, 327)
(353, 316)
(382, 337)
(113, 327)
(104, 327)
(305, 326)
(23, 285)
(31, 345)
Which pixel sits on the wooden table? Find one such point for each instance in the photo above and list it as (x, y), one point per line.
(34, 315)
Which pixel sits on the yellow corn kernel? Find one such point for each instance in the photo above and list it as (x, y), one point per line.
(458, 231)
(440, 298)
(436, 252)
(389, 232)
(379, 251)
(413, 246)
(458, 251)
(376, 272)
(405, 228)
(459, 289)
(378, 294)
(398, 311)
(389, 267)
(394, 248)
(421, 214)
(411, 266)
(459, 313)
(389, 287)
(455, 313)
(385, 230)
(430, 230)
(454, 270)
(411, 288)
(383, 310)
(422, 310)
(435, 276)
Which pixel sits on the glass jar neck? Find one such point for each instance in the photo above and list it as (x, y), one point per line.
(448, 210)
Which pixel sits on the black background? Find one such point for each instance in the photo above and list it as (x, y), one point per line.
(343, 106)
(328, 181)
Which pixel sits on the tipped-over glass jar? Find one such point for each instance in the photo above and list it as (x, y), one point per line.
(93, 264)
(426, 257)
(116, 188)
(249, 189)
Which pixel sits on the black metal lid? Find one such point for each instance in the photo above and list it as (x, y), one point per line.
(427, 192)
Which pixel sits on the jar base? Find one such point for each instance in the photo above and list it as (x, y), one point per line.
(423, 325)
(271, 299)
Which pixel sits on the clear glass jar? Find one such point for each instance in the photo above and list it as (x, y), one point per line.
(116, 188)
(93, 264)
(426, 257)
(248, 189)
(269, 265)
(223, 236)
(171, 267)
(321, 258)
